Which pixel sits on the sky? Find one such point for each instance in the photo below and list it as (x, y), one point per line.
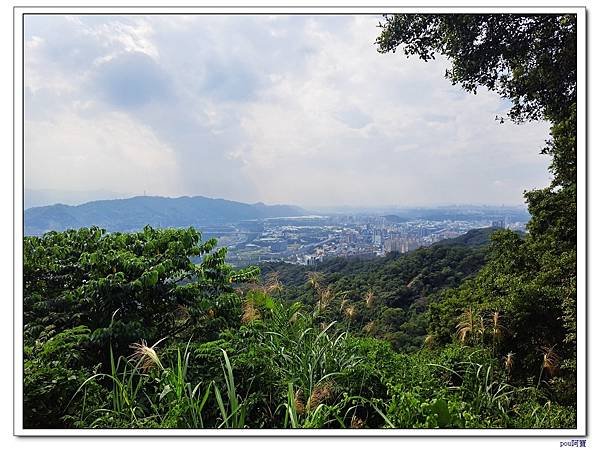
(280, 109)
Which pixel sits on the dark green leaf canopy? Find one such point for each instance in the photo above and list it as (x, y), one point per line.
(529, 59)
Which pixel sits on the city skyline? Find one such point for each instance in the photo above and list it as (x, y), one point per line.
(298, 110)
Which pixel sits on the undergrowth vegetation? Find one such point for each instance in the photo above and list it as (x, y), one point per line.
(247, 357)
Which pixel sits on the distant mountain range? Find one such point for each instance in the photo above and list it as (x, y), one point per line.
(45, 197)
(134, 213)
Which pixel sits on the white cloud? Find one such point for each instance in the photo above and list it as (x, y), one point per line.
(400, 155)
(72, 153)
(278, 109)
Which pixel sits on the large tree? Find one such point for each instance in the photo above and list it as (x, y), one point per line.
(532, 61)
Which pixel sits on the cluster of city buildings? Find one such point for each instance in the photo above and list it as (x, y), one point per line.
(309, 241)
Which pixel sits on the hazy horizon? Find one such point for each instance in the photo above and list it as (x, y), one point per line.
(31, 200)
(298, 110)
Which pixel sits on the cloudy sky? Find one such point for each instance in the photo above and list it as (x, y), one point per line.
(279, 109)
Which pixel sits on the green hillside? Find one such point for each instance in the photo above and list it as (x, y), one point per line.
(400, 285)
(123, 330)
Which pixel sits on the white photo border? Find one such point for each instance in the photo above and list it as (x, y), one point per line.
(582, 236)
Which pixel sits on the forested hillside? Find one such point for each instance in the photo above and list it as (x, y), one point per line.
(124, 330)
(387, 297)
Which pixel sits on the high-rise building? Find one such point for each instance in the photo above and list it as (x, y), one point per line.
(498, 223)
(377, 240)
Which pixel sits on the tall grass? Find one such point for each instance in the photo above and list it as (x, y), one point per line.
(487, 393)
(233, 413)
(147, 393)
(306, 356)
(307, 359)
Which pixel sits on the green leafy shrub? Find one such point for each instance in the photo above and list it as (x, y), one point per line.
(53, 372)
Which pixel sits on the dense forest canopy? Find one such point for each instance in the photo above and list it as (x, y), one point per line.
(129, 330)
